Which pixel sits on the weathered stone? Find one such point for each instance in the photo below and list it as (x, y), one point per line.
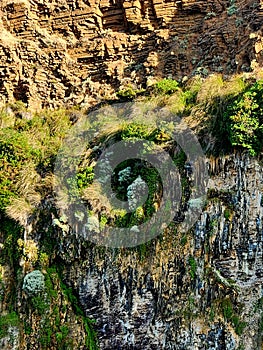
(154, 303)
(75, 43)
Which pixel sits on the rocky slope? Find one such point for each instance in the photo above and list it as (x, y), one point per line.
(80, 52)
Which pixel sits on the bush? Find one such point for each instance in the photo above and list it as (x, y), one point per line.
(124, 175)
(243, 119)
(166, 86)
(34, 283)
(135, 130)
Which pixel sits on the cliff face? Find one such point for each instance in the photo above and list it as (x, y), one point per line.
(80, 51)
(199, 291)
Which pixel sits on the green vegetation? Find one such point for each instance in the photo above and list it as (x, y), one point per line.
(91, 338)
(15, 150)
(193, 266)
(232, 9)
(231, 316)
(230, 109)
(244, 119)
(166, 87)
(9, 320)
(125, 190)
(10, 232)
(227, 214)
(212, 314)
(228, 112)
(129, 93)
(227, 309)
(135, 130)
(54, 330)
(85, 177)
(183, 241)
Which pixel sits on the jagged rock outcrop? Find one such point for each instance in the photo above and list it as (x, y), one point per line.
(80, 52)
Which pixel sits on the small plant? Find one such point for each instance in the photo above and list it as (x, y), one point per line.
(210, 15)
(239, 325)
(135, 192)
(135, 130)
(34, 283)
(227, 309)
(124, 175)
(29, 249)
(212, 314)
(193, 266)
(85, 177)
(227, 214)
(180, 159)
(183, 241)
(166, 86)
(232, 10)
(9, 320)
(129, 93)
(39, 304)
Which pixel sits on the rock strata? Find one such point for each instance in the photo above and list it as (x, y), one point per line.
(80, 52)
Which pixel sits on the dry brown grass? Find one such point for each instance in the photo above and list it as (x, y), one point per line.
(96, 197)
(29, 198)
(19, 209)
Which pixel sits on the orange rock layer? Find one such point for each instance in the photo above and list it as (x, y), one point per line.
(67, 52)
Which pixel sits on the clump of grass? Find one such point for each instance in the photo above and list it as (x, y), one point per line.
(27, 153)
(210, 88)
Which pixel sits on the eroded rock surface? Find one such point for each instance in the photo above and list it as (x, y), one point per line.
(80, 51)
(158, 299)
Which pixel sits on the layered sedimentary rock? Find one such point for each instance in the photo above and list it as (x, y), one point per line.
(80, 52)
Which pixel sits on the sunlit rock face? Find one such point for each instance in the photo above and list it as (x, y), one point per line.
(185, 291)
(80, 52)
(201, 290)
